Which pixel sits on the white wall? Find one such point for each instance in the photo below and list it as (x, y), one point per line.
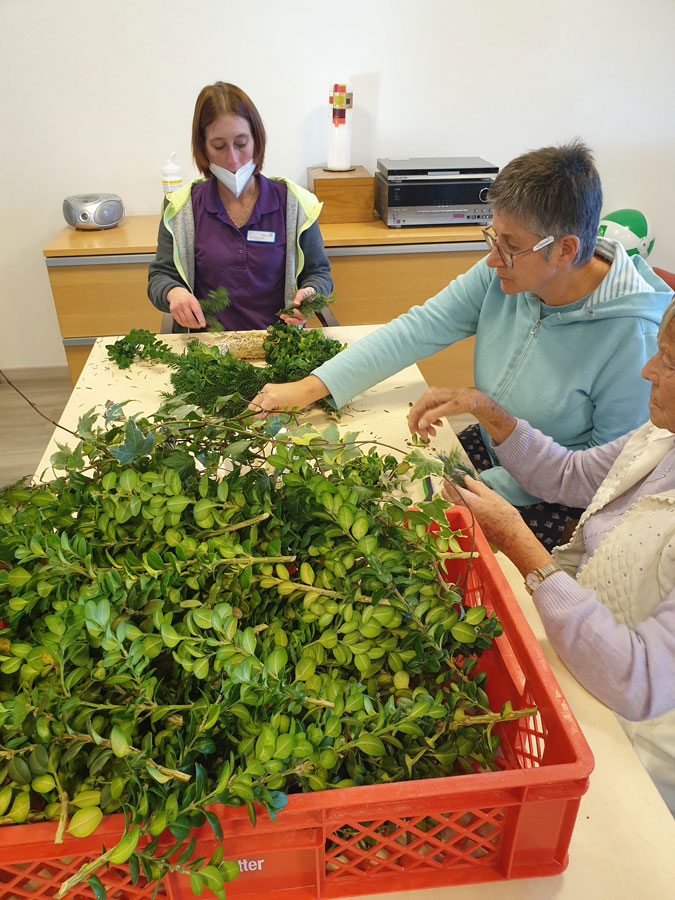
(96, 94)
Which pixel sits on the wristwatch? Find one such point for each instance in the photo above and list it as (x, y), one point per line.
(536, 576)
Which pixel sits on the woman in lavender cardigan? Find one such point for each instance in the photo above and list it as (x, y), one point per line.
(607, 598)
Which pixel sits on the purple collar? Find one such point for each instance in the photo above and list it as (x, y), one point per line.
(267, 202)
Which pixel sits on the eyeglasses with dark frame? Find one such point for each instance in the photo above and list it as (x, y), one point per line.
(507, 256)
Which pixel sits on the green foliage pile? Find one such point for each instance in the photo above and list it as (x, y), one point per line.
(217, 381)
(202, 611)
(139, 344)
(293, 353)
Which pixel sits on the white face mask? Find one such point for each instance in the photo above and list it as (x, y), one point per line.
(234, 181)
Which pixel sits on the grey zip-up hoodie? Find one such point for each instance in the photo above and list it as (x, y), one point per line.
(174, 265)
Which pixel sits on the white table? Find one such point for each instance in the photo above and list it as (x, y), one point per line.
(379, 413)
(623, 846)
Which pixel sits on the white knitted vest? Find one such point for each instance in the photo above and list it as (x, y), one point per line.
(632, 571)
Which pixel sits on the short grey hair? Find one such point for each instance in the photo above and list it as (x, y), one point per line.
(555, 190)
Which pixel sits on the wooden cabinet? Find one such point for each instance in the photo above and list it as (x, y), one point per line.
(99, 280)
(380, 272)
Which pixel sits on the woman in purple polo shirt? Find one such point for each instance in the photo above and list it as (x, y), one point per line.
(257, 237)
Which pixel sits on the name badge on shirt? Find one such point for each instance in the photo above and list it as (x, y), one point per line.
(261, 237)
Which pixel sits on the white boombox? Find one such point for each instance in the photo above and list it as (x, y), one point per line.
(93, 210)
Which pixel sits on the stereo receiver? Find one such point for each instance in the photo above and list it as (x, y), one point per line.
(434, 191)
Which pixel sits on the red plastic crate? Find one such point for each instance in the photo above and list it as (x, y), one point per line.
(515, 823)
(33, 867)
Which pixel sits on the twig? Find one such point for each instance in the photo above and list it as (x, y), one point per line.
(39, 412)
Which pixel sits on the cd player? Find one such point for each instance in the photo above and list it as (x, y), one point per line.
(93, 210)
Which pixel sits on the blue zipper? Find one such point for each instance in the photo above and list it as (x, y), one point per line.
(519, 361)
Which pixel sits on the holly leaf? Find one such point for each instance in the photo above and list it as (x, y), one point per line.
(114, 412)
(135, 445)
(272, 425)
(303, 435)
(86, 423)
(181, 462)
(236, 449)
(68, 459)
(423, 465)
(331, 434)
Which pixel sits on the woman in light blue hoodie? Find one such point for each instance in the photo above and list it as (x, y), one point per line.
(564, 322)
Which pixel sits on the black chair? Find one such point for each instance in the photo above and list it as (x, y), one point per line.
(326, 317)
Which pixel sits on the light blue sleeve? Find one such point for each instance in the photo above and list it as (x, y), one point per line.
(620, 397)
(448, 317)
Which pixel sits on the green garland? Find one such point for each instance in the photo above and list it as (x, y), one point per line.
(213, 380)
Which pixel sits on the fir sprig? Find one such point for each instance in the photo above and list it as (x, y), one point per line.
(218, 300)
(309, 307)
(454, 468)
(216, 381)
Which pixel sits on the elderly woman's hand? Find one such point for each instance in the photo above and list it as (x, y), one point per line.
(437, 403)
(427, 414)
(501, 523)
(185, 308)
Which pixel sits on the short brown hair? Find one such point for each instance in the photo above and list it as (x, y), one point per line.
(222, 99)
